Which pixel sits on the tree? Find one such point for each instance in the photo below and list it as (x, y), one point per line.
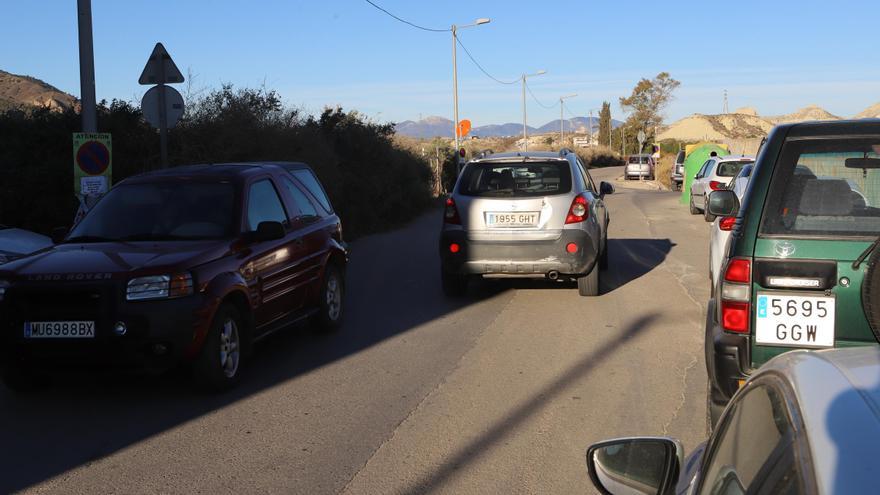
(605, 123)
(647, 102)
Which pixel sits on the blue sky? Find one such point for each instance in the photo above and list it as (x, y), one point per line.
(776, 56)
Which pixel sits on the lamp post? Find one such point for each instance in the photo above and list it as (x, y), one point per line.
(525, 132)
(455, 75)
(561, 118)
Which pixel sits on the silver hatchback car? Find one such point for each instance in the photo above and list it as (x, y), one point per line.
(527, 214)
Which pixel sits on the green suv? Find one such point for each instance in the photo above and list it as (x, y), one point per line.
(800, 265)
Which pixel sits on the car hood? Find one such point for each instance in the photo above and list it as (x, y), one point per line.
(21, 242)
(103, 260)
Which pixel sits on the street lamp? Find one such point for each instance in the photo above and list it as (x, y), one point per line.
(561, 117)
(525, 132)
(455, 74)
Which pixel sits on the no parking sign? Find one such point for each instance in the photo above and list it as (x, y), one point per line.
(92, 163)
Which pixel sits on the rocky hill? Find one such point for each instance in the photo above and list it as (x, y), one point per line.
(871, 112)
(26, 92)
(743, 123)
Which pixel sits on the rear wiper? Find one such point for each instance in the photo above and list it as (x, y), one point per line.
(870, 249)
(89, 238)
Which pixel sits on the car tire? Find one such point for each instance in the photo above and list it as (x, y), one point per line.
(693, 209)
(708, 216)
(603, 256)
(588, 285)
(454, 285)
(329, 316)
(219, 364)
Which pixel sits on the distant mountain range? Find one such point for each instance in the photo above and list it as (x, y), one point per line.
(438, 126)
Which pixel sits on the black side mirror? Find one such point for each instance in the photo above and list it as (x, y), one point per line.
(723, 203)
(269, 231)
(605, 188)
(58, 234)
(635, 466)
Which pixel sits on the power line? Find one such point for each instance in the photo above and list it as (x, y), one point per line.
(407, 22)
(548, 107)
(490, 76)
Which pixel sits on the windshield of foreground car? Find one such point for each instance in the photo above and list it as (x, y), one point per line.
(521, 179)
(815, 192)
(160, 211)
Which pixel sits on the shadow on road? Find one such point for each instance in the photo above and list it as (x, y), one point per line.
(484, 443)
(629, 259)
(393, 287)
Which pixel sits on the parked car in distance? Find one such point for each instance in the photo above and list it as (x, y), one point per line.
(189, 264)
(639, 166)
(677, 174)
(719, 234)
(798, 273)
(806, 422)
(16, 243)
(715, 174)
(525, 214)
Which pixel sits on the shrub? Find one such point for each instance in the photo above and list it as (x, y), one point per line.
(373, 184)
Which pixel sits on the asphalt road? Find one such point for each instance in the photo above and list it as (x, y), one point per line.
(498, 393)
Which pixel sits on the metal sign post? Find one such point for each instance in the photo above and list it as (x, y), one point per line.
(161, 70)
(641, 137)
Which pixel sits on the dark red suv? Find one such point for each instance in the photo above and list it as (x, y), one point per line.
(190, 264)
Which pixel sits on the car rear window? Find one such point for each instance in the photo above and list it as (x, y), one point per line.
(638, 159)
(521, 179)
(828, 187)
(730, 169)
(680, 157)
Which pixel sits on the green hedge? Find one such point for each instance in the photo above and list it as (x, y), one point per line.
(373, 184)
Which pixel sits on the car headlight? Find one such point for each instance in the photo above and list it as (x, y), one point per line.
(159, 287)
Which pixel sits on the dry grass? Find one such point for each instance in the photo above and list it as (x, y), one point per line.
(664, 170)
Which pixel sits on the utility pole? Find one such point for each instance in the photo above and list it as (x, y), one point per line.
(561, 118)
(525, 131)
(590, 129)
(86, 66)
(454, 29)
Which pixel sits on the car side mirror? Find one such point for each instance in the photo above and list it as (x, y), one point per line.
(269, 231)
(635, 466)
(605, 188)
(723, 203)
(58, 234)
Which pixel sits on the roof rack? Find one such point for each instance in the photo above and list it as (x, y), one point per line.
(485, 153)
(564, 152)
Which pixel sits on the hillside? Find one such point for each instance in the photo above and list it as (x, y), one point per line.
(24, 91)
(743, 123)
(871, 112)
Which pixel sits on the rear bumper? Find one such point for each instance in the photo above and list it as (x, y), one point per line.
(639, 173)
(677, 178)
(727, 359)
(519, 258)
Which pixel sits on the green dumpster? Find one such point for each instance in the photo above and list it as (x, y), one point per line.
(693, 163)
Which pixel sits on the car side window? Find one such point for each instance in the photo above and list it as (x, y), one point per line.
(702, 172)
(754, 448)
(264, 205)
(587, 180)
(308, 179)
(305, 207)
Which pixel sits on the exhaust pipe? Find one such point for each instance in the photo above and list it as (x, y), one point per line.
(553, 275)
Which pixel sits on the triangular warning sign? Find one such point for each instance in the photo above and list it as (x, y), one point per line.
(160, 69)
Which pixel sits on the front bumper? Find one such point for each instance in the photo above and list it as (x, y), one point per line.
(519, 258)
(727, 359)
(158, 333)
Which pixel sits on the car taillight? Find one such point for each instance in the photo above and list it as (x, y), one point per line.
(578, 211)
(736, 292)
(727, 223)
(716, 185)
(451, 213)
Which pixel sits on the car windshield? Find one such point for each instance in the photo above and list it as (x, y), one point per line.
(730, 169)
(826, 187)
(160, 211)
(522, 179)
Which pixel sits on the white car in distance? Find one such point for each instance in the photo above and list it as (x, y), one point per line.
(715, 174)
